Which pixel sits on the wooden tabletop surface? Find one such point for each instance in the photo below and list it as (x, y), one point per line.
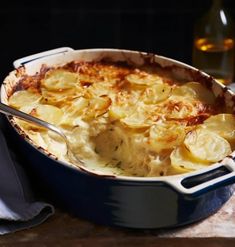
(63, 229)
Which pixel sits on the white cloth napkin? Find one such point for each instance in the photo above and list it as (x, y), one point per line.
(18, 207)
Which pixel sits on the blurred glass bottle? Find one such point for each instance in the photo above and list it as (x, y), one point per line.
(213, 50)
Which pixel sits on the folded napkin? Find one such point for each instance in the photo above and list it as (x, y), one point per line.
(18, 207)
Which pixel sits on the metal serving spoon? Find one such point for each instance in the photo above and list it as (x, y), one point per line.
(7, 110)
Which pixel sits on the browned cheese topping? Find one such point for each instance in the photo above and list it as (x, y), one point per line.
(124, 120)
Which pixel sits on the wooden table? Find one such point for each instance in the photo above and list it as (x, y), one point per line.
(63, 229)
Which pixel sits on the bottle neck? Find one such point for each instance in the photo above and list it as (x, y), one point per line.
(217, 21)
(216, 24)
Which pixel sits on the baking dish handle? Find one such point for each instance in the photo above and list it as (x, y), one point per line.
(209, 179)
(19, 62)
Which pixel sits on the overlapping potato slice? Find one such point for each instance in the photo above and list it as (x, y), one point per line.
(123, 104)
(182, 162)
(77, 106)
(126, 98)
(27, 108)
(222, 124)
(118, 112)
(166, 135)
(97, 106)
(91, 76)
(59, 79)
(138, 119)
(143, 79)
(206, 146)
(76, 109)
(202, 93)
(38, 137)
(58, 98)
(100, 88)
(178, 108)
(28, 126)
(55, 143)
(156, 93)
(195, 90)
(24, 98)
(48, 113)
(184, 91)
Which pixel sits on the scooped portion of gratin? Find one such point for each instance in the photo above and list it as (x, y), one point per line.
(124, 120)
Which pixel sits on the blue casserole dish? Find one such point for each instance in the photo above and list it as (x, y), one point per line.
(132, 202)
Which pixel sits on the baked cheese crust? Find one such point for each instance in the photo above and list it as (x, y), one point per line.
(124, 120)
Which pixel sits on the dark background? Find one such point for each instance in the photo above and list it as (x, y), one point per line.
(164, 27)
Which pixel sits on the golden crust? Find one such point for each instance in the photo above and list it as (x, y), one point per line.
(127, 120)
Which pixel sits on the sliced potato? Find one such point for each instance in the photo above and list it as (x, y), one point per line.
(27, 108)
(156, 93)
(67, 121)
(21, 98)
(48, 113)
(87, 79)
(77, 106)
(59, 98)
(206, 146)
(117, 112)
(182, 162)
(76, 109)
(166, 136)
(55, 144)
(138, 119)
(28, 126)
(178, 108)
(98, 106)
(143, 79)
(59, 79)
(100, 88)
(184, 91)
(195, 90)
(222, 124)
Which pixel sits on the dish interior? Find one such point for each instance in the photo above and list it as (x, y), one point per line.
(126, 119)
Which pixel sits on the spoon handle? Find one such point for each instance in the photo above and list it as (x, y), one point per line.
(7, 110)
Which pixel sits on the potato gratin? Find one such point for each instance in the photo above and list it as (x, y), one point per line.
(124, 120)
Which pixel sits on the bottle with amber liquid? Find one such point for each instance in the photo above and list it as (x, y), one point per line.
(213, 49)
